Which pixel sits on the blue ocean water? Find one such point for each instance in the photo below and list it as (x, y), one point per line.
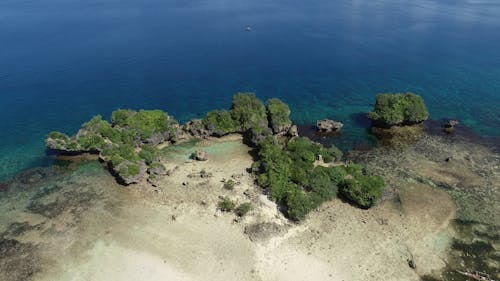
(63, 61)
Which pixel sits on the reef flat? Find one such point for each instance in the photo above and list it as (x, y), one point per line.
(210, 217)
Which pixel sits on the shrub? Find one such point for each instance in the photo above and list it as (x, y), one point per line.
(129, 170)
(279, 115)
(149, 154)
(229, 184)
(119, 153)
(145, 123)
(243, 209)
(398, 109)
(220, 122)
(298, 204)
(248, 111)
(361, 189)
(226, 205)
(91, 142)
(120, 117)
(58, 136)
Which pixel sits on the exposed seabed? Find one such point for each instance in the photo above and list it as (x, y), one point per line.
(49, 215)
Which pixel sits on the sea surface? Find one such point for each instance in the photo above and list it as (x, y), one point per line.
(63, 61)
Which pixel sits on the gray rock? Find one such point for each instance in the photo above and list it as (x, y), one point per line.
(195, 128)
(327, 125)
(126, 171)
(293, 131)
(199, 155)
(157, 169)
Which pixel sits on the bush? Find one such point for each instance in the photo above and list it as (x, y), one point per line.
(248, 111)
(279, 115)
(220, 122)
(398, 109)
(120, 117)
(243, 209)
(129, 170)
(58, 136)
(226, 205)
(298, 204)
(149, 154)
(291, 179)
(145, 123)
(229, 184)
(363, 190)
(91, 142)
(119, 153)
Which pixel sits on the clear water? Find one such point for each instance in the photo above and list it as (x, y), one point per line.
(63, 61)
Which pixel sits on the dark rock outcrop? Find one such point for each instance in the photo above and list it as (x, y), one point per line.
(196, 129)
(449, 127)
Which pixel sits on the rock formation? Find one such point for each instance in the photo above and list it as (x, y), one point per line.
(328, 126)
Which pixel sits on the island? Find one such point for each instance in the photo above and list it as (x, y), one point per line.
(295, 172)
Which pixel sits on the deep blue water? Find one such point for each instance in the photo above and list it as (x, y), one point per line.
(62, 61)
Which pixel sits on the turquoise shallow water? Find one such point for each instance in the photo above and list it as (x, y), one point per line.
(63, 61)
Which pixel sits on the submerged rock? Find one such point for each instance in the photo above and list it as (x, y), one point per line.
(399, 135)
(328, 126)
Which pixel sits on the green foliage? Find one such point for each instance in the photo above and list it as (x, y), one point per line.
(248, 111)
(291, 179)
(279, 114)
(129, 170)
(323, 181)
(58, 136)
(148, 122)
(120, 117)
(298, 204)
(277, 171)
(243, 209)
(119, 153)
(221, 122)
(398, 109)
(334, 152)
(229, 184)
(149, 154)
(91, 142)
(361, 189)
(144, 123)
(226, 205)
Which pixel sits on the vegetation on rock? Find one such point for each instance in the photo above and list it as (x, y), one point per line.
(279, 115)
(398, 109)
(126, 144)
(286, 166)
(248, 111)
(220, 122)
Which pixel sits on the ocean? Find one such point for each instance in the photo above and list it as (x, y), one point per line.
(61, 62)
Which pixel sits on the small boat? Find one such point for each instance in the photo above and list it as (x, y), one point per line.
(476, 275)
(248, 28)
